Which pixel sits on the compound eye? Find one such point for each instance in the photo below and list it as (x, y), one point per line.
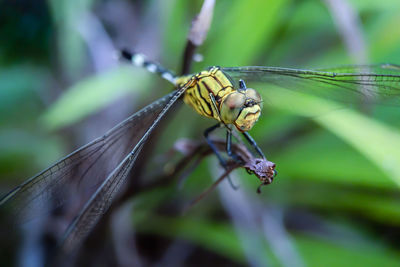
(254, 95)
(231, 106)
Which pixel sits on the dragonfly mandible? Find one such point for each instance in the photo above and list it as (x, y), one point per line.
(217, 93)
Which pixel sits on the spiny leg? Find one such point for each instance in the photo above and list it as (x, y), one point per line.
(216, 110)
(253, 144)
(215, 150)
(229, 147)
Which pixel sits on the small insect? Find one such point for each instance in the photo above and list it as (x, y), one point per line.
(217, 93)
(195, 151)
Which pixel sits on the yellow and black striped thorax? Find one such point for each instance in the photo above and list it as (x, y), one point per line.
(209, 82)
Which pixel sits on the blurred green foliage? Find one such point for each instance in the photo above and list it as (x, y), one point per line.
(337, 163)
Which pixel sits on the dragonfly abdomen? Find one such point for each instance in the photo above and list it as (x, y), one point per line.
(140, 60)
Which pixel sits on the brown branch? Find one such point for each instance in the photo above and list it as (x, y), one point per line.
(197, 34)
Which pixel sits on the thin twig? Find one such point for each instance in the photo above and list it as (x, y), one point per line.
(195, 152)
(209, 189)
(197, 34)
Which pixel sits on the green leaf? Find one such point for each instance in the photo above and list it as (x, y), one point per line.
(245, 29)
(321, 252)
(217, 237)
(321, 156)
(378, 206)
(377, 142)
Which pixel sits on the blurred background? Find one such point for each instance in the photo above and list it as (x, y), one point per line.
(336, 199)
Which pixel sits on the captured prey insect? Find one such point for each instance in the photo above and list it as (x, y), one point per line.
(90, 177)
(195, 151)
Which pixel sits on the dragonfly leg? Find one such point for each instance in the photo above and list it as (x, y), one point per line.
(253, 144)
(215, 150)
(229, 147)
(215, 109)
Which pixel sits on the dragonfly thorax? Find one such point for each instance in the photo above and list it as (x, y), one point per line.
(211, 93)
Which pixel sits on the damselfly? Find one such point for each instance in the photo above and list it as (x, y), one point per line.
(217, 93)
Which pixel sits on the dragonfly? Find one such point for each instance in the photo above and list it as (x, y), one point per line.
(91, 176)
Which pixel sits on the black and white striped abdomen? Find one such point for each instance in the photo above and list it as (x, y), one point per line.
(140, 60)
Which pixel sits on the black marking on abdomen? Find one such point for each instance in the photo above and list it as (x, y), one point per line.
(140, 60)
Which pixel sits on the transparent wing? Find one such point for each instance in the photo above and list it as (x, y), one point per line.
(91, 176)
(379, 83)
(102, 199)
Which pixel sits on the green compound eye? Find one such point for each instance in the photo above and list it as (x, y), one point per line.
(231, 106)
(254, 96)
